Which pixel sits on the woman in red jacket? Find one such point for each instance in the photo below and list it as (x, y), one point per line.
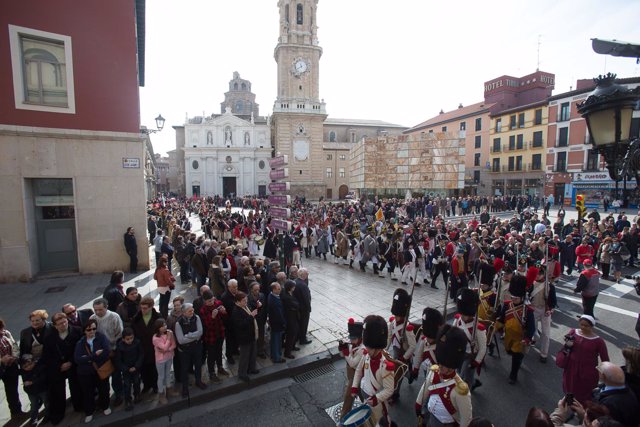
(166, 282)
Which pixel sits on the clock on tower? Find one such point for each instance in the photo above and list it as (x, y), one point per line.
(298, 112)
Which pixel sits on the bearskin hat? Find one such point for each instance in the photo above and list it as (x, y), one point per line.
(355, 329)
(518, 286)
(487, 274)
(467, 302)
(451, 345)
(432, 320)
(498, 264)
(401, 302)
(374, 332)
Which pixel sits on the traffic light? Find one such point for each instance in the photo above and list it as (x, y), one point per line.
(580, 204)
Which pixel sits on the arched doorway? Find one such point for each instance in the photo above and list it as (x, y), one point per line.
(343, 190)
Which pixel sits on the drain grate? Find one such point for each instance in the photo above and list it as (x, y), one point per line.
(55, 289)
(315, 373)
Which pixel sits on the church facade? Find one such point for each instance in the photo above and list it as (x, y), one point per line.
(228, 153)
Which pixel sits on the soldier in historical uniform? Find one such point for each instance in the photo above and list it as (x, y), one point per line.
(402, 341)
(486, 309)
(459, 277)
(342, 245)
(369, 251)
(425, 354)
(468, 301)
(445, 399)
(518, 323)
(353, 352)
(374, 376)
(543, 300)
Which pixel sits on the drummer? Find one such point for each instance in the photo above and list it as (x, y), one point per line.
(353, 353)
(445, 399)
(402, 341)
(374, 376)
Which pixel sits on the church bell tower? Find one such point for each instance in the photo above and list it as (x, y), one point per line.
(298, 112)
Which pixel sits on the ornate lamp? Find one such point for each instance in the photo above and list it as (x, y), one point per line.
(608, 110)
(159, 126)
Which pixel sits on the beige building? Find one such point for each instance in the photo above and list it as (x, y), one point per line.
(431, 163)
(473, 123)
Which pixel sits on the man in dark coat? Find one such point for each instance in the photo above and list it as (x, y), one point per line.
(303, 295)
(114, 292)
(567, 254)
(277, 322)
(131, 246)
(142, 326)
(229, 301)
(58, 359)
(617, 397)
(75, 317)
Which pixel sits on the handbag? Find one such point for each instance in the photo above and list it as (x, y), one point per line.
(105, 370)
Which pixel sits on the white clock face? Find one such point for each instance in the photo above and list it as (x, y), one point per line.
(301, 150)
(300, 67)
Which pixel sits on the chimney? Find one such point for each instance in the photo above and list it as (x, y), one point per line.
(460, 106)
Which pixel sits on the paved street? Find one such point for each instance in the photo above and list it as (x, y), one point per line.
(337, 294)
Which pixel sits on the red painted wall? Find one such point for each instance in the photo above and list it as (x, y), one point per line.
(104, 62)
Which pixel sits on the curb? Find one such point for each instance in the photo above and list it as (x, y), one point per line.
(232, 386)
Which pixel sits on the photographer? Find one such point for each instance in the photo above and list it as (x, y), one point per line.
(579, 359)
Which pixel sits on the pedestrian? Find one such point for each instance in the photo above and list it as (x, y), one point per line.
(166, 283)
(302, 293)
(588, 285)
(76, 317)
(257, 301)
(292, 316)
(213, 314)
(616, 395)
(171, 325)
(604, 257)
(92, 353)
(167, 249)
(216, 277)
(229, 300)
(131, 247)
(164, 345)
(59, 348)
(246, 330)
(110, 325)
(189, 337)
(543, 300)
(157, 244)
(143, 326)
(277, 322)
(129, 359)
(579, 359)
(567, 254)
(114, 292)
(129, 307)
(584, 252)
(9, 372)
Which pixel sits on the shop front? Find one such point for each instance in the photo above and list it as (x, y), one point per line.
(595, 186)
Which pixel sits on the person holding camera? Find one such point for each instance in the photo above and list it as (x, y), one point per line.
(579, 359)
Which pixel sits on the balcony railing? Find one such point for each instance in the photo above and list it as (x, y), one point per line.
(560, 168)
(526, 167)
(495, 149)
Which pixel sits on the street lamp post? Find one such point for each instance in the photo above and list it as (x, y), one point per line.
(159, 125)
(608, 111)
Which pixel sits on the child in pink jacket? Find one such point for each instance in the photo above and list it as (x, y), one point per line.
(164, 344)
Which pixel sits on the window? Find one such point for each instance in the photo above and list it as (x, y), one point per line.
(42, 70)
(332, 136)
(512, 142)
(496, 145)
(512, 122)
(286, 14)
(341, 172)
(329, 156)
(430, 130)
(299, 14)
(592, 160)
(463, 125)
(561, 162)
(329, 173)
(536, 162)
(511, 163)
(518, 163)
(521, 120)
(478, 141)
(444, 128)
(498, 125)
(261, 164)
(476, 159)
(496, 165)
(565, 110)
(537, 118)
(520, 142)
(476, 177)
(195, 165)
(537, 139)
(353, 137)
(478, 124)
(563, 137)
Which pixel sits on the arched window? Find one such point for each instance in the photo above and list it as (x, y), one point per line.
(244, 86)
(286, 14)
(235, 86)
(332, 136)
(299, 14)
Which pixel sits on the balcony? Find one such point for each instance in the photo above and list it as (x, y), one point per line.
(495, 149)
(560, 168)
(526, 167)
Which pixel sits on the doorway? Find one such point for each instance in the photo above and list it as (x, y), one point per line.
(558, 193)
(228, 186)
(342, 192)
(55, 225)
(195, 190)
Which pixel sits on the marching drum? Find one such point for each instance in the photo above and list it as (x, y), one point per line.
(360, 416)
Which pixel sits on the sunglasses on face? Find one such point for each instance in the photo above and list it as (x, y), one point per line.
(90, 329)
